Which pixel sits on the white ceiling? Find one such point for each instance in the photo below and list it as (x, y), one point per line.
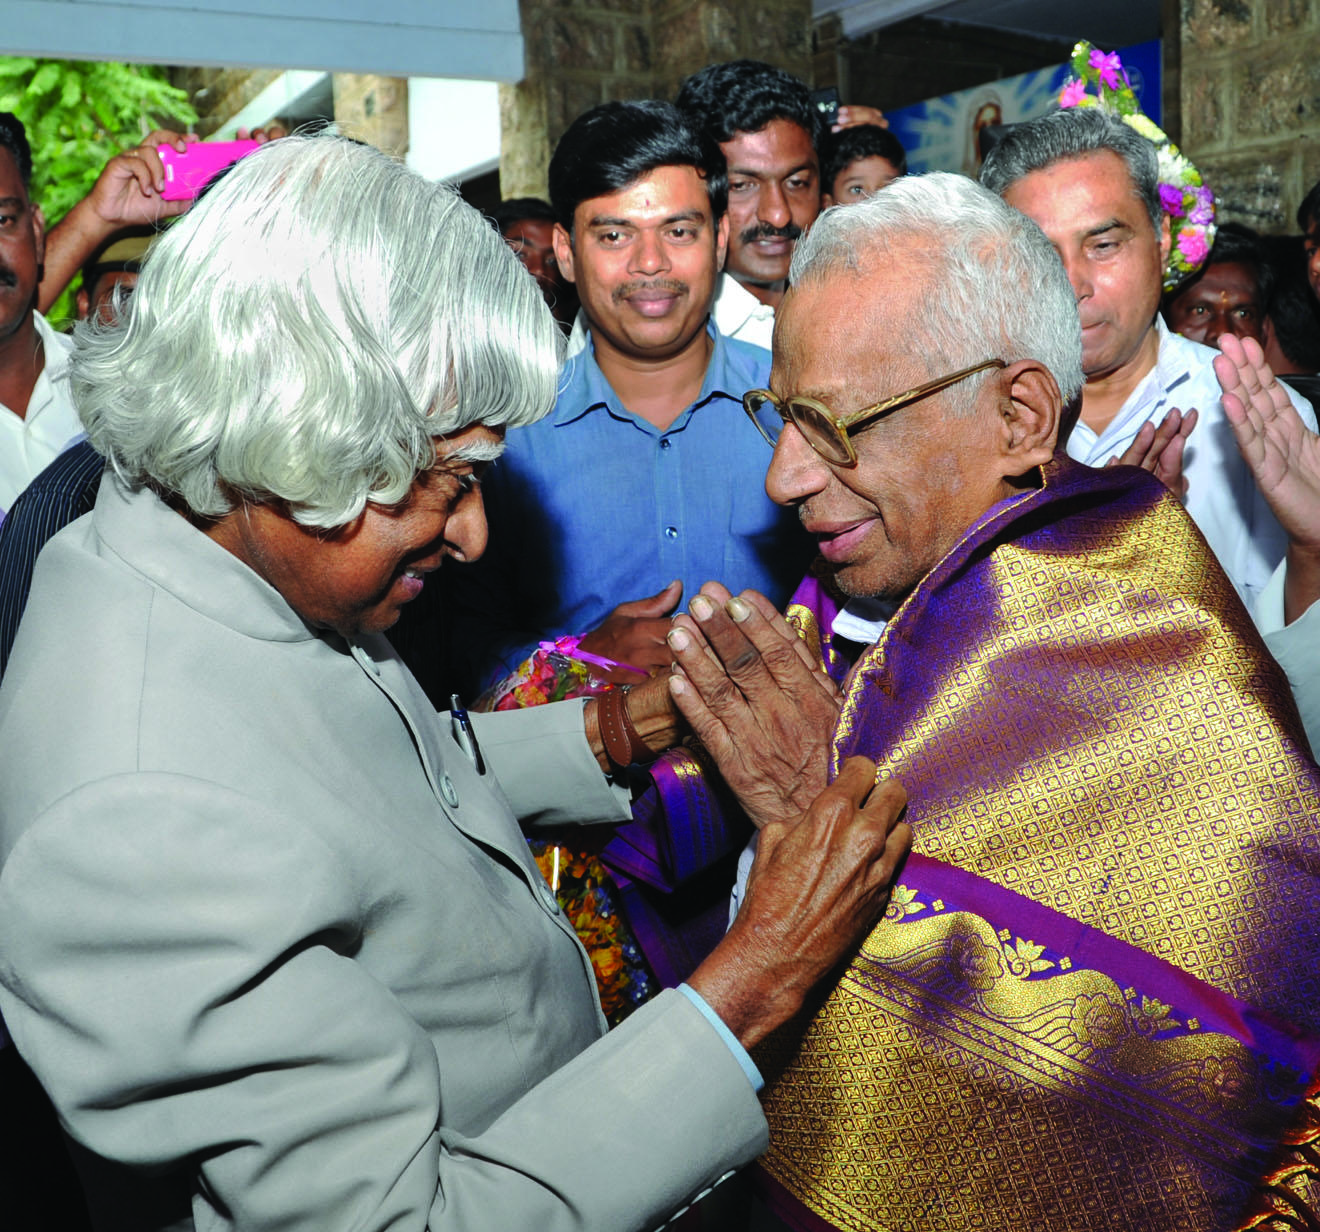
(1113, 23)
(446, 38)
(399, 38)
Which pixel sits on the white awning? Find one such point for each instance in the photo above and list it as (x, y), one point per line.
(397, 38)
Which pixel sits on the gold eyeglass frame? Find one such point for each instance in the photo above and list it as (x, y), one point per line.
(858, 421)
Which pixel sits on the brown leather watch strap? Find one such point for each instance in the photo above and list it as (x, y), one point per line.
(623, 746)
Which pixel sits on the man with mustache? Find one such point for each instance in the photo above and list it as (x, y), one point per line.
(644, 480)
(37, 418)
(1091, 183)
(768, 131)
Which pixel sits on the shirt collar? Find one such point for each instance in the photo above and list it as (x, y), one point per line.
(585, 388)
(1173, 364)
(735, 305)
(58, 349)
(863, 620)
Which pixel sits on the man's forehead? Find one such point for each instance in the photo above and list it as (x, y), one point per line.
(1074, 193)
(780, 140)
(530, 230)
(12, 189)
(848, 324)
(1224, 278)
(478, 443)
(661, 193)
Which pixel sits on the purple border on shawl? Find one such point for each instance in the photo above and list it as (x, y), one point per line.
(1088, 948)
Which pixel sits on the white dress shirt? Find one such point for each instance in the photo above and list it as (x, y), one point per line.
(1222, 497)
(30, 443)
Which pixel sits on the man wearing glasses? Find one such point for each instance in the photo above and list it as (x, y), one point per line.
(1098, 961)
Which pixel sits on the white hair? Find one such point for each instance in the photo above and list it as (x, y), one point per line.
(997, 288)
(304, 333)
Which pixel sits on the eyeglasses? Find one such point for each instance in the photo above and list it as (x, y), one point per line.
(824, 431)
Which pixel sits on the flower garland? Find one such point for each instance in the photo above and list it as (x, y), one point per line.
(1187, 201)
(557, 671)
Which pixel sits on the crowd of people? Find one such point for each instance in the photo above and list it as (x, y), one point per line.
(904, 607)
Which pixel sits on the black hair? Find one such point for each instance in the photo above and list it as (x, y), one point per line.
(743, 96)
(1309, 210)
(1292, 307)
(1241, 245)
(839, 150)
(1238, 245)
(521, 209)
(615, 144)
(13, 137)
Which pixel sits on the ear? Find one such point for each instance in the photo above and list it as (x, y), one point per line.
(83, 302)
(826, 200)
(1166, 243)
(721, 240)
(1030, 408)
(562, 243)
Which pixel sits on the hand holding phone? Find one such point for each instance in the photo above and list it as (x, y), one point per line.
(187, 172)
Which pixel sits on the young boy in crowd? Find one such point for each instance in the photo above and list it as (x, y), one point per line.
(855, 162)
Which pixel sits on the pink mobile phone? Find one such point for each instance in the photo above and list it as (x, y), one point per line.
(187, 174)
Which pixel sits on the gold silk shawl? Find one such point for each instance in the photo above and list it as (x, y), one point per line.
(1093, 1001)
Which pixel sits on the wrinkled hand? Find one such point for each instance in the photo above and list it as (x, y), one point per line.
(634, 634)
(1160, 450)
(748, 686)
(1283, 455)
(850, 115)
(817, 887)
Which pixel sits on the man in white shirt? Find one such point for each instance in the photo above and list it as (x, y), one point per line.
(1091, 183)
(37, 418)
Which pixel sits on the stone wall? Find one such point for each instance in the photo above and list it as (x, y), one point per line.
(1250, 92)
(218, 94)
(583, 52)
(373, 109)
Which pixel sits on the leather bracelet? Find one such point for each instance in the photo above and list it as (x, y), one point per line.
(623, 746)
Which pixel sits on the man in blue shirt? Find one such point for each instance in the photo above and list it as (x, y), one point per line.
(645, 481)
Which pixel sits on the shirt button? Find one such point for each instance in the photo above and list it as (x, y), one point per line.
(548, 897)
(664, 442)
(448, 790)
(671, 532)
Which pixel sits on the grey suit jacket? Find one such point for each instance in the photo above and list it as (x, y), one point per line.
(256, 951)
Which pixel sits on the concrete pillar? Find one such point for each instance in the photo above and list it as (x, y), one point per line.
(373, 109)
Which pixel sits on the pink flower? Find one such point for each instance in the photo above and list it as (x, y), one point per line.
(1109, 66)
(1073, 93)
(1193, 247)
(1204, 210)
(1171, 199)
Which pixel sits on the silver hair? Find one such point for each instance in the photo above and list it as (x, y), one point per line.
(304, 333)
(996, 287)
(1074, 132)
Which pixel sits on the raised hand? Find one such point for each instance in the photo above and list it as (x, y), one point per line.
(1160, 450)
(752, 693)
(1283, 455)
(852, 114)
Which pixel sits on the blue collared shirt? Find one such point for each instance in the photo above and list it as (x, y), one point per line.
(593, 506)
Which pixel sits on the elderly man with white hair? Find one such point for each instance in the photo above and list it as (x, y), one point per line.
(273, 941)
(1094, 1001)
